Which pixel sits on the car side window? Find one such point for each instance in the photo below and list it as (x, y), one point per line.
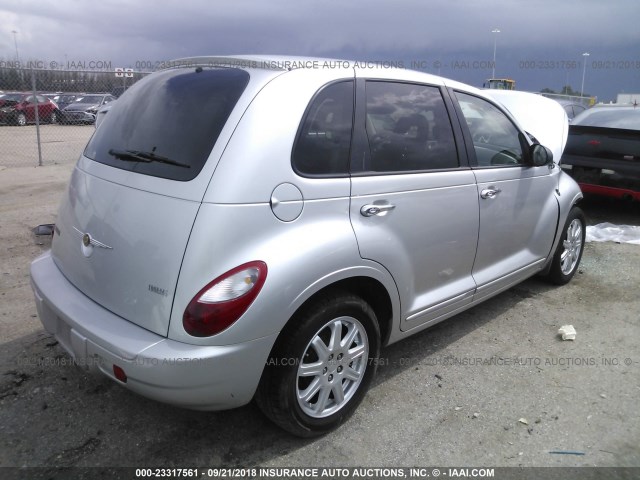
(496, 139)
(323, 143)
(408, 128)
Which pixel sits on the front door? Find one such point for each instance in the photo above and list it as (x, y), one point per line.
(518, 210)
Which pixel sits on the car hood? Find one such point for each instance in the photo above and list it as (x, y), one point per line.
(80, 107)
(542, 117)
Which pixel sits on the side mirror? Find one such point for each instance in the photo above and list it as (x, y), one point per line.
(540, 155)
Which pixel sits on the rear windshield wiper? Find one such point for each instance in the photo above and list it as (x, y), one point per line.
(147, 157)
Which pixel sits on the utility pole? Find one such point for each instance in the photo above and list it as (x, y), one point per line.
(15, 42)
(495, 31)
(584, 71)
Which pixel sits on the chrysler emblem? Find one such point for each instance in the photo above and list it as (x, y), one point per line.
(88, 242)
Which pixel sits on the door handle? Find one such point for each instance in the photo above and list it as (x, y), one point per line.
(490, 192)
(379, 210)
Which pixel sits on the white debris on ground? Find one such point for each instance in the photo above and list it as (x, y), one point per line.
(567, 332)
(608, 232)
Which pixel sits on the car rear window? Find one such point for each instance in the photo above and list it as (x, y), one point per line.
(616, 117)
(167, 124)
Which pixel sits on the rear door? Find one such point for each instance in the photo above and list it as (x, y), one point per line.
(414, 205)
(518, 209)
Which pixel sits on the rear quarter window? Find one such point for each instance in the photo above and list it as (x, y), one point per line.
(167, 124)
(324, 138)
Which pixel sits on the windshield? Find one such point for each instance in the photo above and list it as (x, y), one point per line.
(616, 117)
(174, 114)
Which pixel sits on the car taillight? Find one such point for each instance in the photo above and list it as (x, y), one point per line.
(223, 301)
(118, 372)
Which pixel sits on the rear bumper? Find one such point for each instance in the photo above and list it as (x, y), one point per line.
(77, 117)
(603, 190)
(623, 168)
(605, 181)
(191, 376)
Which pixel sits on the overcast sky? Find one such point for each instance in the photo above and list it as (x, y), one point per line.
(540, 43)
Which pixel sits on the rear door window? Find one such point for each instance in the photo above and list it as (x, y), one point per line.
(167, 124)
(408, 128)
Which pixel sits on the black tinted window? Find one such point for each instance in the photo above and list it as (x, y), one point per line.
(324, 138)
(408, 128)
(175, 116)
(613, 117)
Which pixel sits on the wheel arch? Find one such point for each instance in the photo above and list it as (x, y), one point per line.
(370, 289)
(273, 394)
(568, 195)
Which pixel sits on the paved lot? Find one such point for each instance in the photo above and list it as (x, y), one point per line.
(60, 144)
(453, 395)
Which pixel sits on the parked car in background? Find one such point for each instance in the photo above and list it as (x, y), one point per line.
(65, 99)
(573, 104)
(102, 112)
(262, 230)
(603, 151)
(19, 108)
(572, 109)
(83, 109)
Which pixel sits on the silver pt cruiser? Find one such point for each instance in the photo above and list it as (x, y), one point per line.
(255, 227)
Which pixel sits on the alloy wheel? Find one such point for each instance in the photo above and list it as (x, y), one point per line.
(332, 367)
(572, 247)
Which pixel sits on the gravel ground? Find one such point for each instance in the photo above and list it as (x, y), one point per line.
(494, 386)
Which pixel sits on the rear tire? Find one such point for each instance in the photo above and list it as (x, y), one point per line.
(569, 252)
(321, 365)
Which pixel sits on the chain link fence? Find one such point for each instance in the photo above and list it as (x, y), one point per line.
(47, 116)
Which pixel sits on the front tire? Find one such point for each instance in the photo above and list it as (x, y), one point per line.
(21, 120)
(321, 365)
(569, 252)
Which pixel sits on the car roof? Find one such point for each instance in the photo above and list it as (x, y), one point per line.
(616, 106)
(283, 63)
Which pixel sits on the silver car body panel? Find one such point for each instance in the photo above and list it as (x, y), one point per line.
(136, 277)
(319, 244)
(517, 227)
(429, 251)
(174, 372)
(271, 122)
(442, 249)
